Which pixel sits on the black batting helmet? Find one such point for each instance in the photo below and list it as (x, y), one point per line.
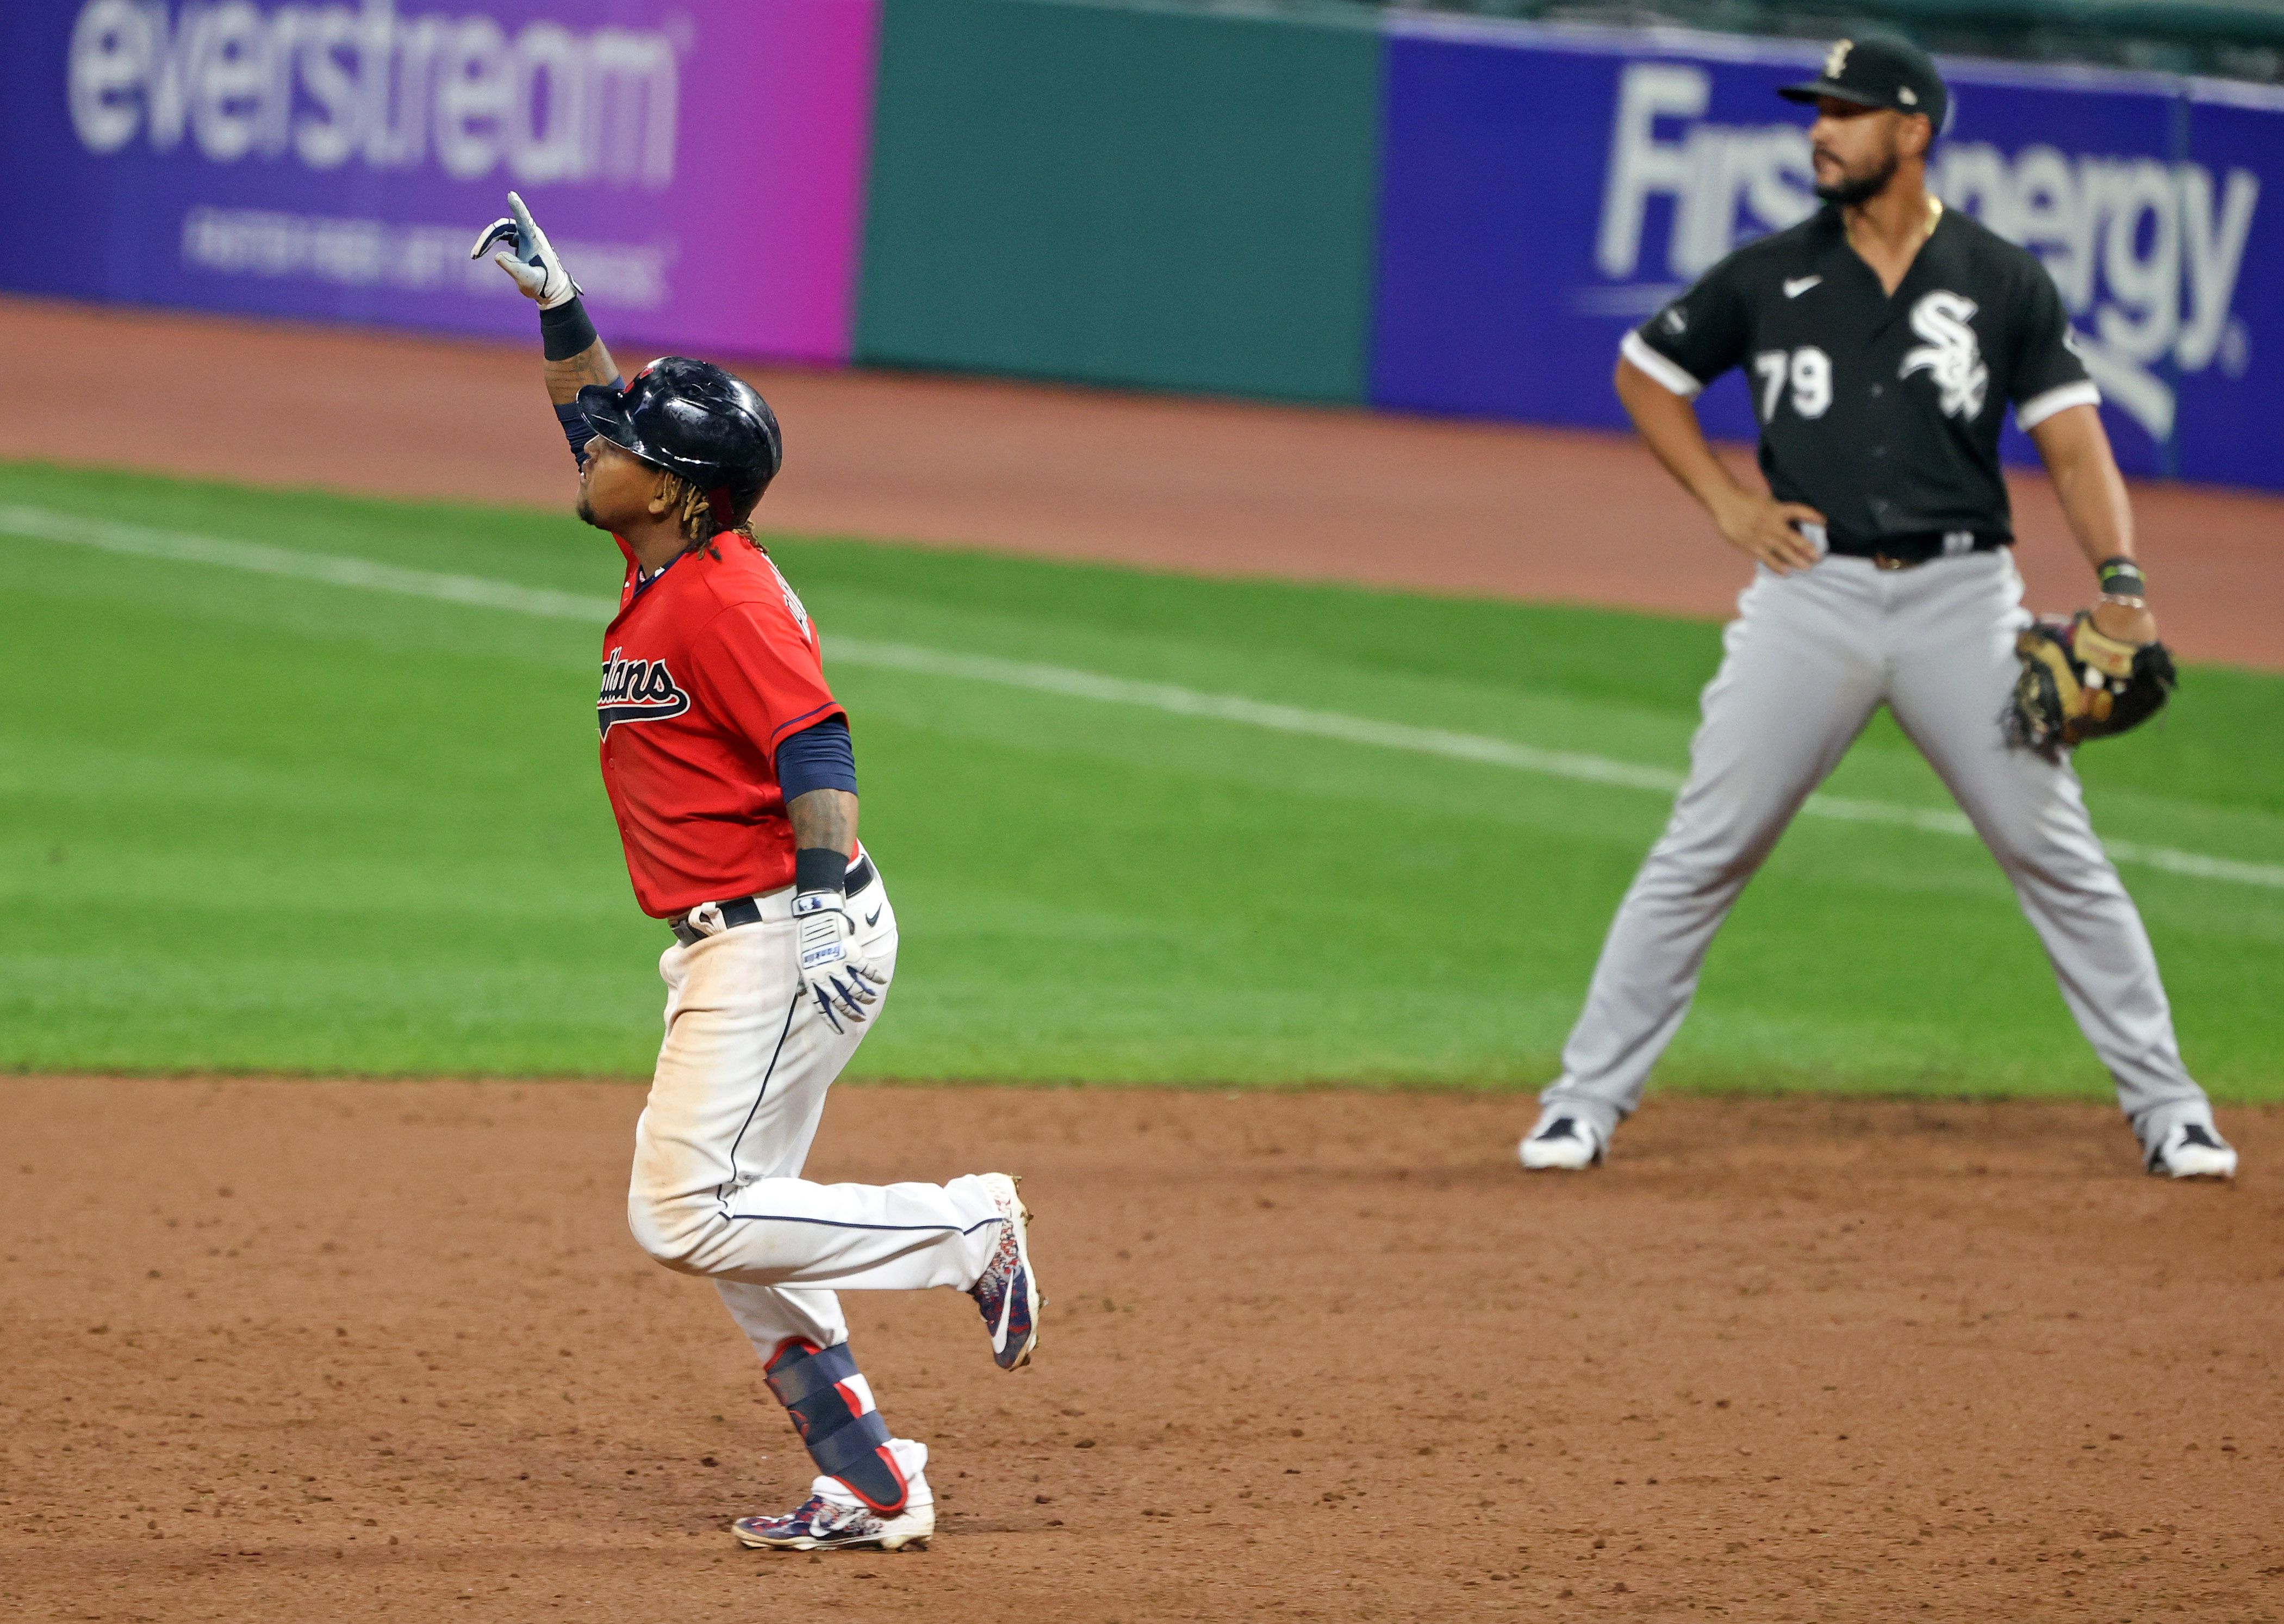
(693, 419)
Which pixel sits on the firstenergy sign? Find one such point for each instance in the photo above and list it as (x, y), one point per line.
(328, 85)
(2147, 253)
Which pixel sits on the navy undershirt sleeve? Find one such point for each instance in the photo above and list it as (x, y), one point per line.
(817, 757)
(577, 429)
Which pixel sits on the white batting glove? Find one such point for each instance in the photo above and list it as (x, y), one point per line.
(533, 264)
(841, 980)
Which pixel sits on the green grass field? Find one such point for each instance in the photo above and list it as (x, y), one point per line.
(252, 820)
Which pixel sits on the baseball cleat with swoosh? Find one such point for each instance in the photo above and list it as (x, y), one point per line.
(833, 1518)
(1008, 1291)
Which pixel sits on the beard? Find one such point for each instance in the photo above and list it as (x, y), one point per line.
(585, 510)
(1852, 189)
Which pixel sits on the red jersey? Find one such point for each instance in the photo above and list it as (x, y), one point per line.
(706, 670)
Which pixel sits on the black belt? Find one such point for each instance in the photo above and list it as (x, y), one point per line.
(1910, 551)
(747, 909)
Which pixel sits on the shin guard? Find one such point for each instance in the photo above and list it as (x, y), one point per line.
(833, 1410)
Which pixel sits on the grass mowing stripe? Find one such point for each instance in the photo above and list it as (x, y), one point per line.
(138, 540)
(40, 524)
(1180, 701)
(1462, 746)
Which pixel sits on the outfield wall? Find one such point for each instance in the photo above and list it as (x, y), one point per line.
(1426, 214)
(1123, 196)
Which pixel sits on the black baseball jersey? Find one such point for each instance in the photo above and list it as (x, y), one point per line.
(1881, 411)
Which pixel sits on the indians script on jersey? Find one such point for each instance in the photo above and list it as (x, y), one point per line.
(637, 691)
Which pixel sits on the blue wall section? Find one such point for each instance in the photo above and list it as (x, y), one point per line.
(2034, 162)
(1506, 276)
(2232, 412)
(1542, 190)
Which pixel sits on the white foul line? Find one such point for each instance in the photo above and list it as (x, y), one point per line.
(476, 591)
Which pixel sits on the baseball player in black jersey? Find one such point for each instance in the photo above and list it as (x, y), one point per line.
(1884, 340)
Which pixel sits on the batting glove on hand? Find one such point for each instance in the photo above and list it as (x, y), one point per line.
(533, 265)
(841, 982)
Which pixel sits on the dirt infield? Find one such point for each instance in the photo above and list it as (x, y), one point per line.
(1215, 487)
(296, 1351)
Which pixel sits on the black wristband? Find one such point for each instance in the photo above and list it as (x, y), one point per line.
(820, 868)
(565, 330)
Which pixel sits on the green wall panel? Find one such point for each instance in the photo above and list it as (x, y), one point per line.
(1174, 199)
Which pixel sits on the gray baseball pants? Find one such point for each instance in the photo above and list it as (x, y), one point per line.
(1808, 658)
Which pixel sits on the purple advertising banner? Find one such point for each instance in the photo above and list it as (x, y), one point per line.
(700, 167)
(1544, 189)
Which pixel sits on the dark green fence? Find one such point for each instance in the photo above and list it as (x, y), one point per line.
(2239, 39)
(1164, 197)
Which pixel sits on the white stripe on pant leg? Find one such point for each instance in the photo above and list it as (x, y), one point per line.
(908, 1237)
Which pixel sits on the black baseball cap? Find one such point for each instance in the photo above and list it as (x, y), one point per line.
(1879, 71)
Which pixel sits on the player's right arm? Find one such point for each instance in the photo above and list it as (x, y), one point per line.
(1662, 366)
(575, 354)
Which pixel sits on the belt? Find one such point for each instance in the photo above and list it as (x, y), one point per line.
(747, 909)
(1911, 551)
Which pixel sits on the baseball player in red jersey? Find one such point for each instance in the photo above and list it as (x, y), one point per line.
(729, 768)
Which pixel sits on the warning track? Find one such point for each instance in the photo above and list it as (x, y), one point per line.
(1213, 486)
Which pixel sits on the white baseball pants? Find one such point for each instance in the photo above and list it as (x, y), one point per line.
(1808, 658)
(734, 1107)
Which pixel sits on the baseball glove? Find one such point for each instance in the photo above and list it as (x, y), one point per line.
(2078, 684)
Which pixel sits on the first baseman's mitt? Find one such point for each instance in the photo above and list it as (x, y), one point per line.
(2078, 684)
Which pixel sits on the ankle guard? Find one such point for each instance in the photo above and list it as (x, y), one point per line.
(832, 1408)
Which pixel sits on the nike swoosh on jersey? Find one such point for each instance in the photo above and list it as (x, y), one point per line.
(873, 918)
(1794, 287)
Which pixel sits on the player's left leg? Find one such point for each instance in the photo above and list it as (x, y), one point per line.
(1954, 668)
(870, 1487)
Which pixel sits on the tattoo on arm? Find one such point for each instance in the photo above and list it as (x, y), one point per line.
(564, 378)
(824, 817)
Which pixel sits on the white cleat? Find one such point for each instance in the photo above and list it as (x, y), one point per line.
(832, 1519)
(1562, 1142)
(2193, 1149)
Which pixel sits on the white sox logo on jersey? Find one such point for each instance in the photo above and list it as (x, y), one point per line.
(1950, 354)
(637, 691)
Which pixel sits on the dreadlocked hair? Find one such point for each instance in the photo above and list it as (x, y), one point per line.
(698, 523)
